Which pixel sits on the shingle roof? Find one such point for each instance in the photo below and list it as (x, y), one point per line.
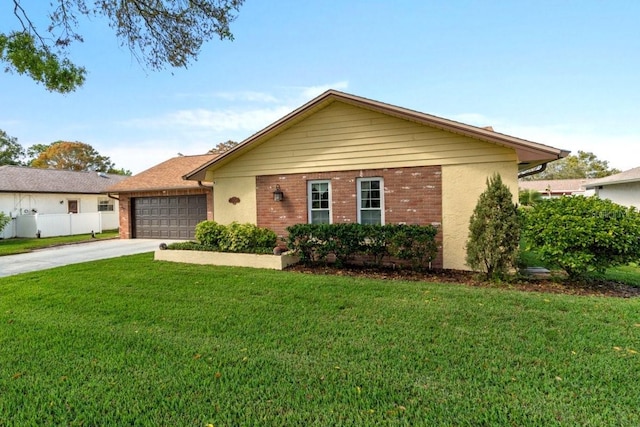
(22, 179)
(631, 175)
(164, 176)
(530, 154)
(555, 185)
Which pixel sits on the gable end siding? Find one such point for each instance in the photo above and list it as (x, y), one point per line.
(342, 137)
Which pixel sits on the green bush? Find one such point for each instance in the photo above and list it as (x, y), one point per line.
(4, 220)
(494, 231)
(235, 237)
(316, 242)
(414, 243)
(583, 234)
(302, 239)
(209, 233)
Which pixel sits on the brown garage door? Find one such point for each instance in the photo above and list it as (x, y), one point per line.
(173, 217)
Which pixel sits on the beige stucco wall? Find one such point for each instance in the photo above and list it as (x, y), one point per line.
(244, 188)
(461, 187)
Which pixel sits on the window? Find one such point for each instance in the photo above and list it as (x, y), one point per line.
(319, 197)
(72, 206)
(105, 205)
(370, 201)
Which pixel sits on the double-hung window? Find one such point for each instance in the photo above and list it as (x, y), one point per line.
(319, 197)
(371, 201)
(105, 205)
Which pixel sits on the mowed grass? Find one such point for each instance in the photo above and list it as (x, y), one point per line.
(22, 245)
(132, 341)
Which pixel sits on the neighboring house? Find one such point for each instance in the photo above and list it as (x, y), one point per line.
(558, 187)
(39, 194)
(622, 188)
(343, 158)
(158, 203)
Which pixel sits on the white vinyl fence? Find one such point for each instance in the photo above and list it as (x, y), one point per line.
(49, 225)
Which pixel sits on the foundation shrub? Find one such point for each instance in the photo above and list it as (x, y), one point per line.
(345, 242)
(235, 237)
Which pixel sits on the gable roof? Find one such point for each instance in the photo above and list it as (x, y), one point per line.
(530, 154)
(631, 175)
(22, 179)
(555, 186)
(164, 176)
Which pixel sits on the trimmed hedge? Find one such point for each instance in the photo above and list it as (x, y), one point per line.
(316, 242)
(235, 237)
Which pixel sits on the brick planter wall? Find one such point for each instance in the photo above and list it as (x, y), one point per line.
(411, 196)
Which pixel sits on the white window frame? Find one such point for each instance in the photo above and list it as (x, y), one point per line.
(105, 201)
(359, 198)
(310, 208)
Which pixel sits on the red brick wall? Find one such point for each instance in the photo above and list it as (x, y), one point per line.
(125, 205)
(411, 196)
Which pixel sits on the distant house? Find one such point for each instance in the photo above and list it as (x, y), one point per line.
(343, 158)
(157, 203)
(557, 187)
(27, 192)
(622, 188)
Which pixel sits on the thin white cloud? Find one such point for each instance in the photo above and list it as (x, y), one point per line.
(241, 116)
(214, 120)
(313, 91)
(249, 96)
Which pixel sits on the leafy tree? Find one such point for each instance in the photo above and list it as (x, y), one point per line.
(529, 197)
(583, 234)
(583, 165)
(223, 146)
(10, 150)
(35, 150)
(75, 156)
(120, 171)
(158, 33)
(494, 231)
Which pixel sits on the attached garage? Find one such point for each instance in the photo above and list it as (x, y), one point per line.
(171, 217)
(159, 204)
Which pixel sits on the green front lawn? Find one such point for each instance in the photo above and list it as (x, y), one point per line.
(22, 245)
(130, 341)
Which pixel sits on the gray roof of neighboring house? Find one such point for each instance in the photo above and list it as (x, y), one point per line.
(631, 175)
(22, 179)
(555, 185)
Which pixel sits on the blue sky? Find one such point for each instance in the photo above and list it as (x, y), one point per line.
(563, 73)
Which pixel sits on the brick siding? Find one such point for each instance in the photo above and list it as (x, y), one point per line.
(411, 196)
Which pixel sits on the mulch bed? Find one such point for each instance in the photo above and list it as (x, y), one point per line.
(556, 285)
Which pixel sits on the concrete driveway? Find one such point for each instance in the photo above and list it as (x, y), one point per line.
(43, 259)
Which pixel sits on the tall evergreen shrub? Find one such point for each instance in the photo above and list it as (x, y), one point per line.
(494, 231)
